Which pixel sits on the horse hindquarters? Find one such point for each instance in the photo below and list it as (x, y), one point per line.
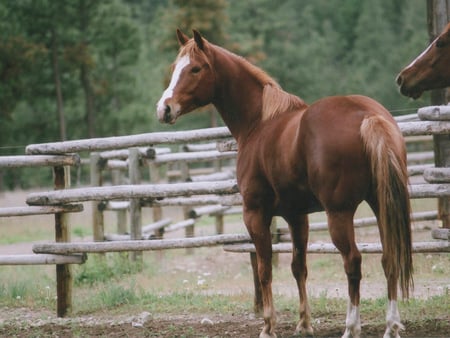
(385, 148)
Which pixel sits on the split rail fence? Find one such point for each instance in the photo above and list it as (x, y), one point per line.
(215, 197)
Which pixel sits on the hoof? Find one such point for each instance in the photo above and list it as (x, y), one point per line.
(391, 334)
(393, 329)
(349, 334)
(304, 331)
(267, 335)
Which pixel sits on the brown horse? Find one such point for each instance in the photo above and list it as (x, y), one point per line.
(294, 159)
(430, 70)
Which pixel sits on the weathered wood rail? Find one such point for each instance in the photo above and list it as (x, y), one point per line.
(122, 142)
(146, 191)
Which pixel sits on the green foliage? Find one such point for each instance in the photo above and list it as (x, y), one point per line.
(321, 48)
(109, 60)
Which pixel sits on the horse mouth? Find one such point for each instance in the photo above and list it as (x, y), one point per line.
(412, 93)
(168, 114)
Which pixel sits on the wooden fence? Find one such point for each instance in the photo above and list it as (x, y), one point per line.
(127, 152)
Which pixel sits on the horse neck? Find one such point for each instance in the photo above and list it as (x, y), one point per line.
(238, 95)
(245, 96)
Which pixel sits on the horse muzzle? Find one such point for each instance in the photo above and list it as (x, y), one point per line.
(168, 113)
(408, 89)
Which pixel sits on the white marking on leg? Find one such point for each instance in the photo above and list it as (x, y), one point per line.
(393, 324)
(352, 322)
(181, 64)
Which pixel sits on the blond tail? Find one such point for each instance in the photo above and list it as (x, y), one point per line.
(385, 147)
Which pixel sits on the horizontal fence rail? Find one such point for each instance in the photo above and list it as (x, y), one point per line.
(138, 245)
(119, 142)
(420, 247)
(39, 210)
(39, 161)
(131, 191)
(155, 191)
(42, 259)
(424, 128)
(412, 128)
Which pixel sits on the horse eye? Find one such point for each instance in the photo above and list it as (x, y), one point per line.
(196, 70)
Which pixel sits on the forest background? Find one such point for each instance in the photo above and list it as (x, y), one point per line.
(92, 68)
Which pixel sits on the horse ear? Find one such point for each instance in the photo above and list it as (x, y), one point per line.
(199, 39)
(182, 38)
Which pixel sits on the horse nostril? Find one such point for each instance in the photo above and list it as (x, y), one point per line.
(167, 117)
(399, 80)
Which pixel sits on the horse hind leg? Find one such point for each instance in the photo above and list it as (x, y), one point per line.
(299, 234)
(393, 323)
(340, 225)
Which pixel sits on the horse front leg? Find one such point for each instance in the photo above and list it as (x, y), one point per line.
(258, 227)
(299, 234)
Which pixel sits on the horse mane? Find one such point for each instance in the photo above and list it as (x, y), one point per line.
(274, 99)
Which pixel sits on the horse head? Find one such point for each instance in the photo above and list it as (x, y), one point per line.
(430, 70)
(192, 83)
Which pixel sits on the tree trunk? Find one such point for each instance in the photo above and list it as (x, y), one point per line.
(89, 100)
(85, 71)
(57, 79)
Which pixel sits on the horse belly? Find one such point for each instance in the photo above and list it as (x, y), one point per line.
(296, 202)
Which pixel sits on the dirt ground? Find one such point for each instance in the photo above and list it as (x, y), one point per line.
(135, 322)
(29, 324)
(25, 322)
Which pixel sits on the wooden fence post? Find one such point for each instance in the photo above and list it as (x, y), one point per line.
(157, 211)
(189, 230)
(219, 217)
(98, 227)
(62, 234)
(135, 203)
(118, 179)
(219, 223)
(438, 17)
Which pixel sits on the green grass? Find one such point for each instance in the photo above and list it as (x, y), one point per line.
(111, 282)
(30, 286)
(103, 268)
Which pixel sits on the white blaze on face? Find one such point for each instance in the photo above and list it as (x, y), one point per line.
(421, 54)
(180, 65)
